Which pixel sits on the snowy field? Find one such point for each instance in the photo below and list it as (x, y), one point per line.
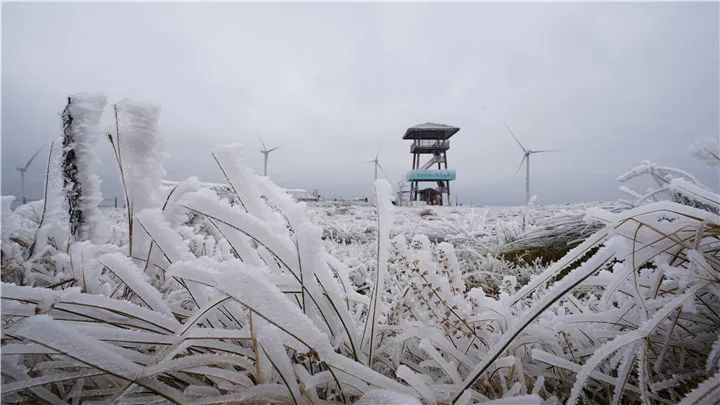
(250, 297)
(488, 226)
(478, 234)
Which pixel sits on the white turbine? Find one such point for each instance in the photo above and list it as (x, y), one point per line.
(265, 151)
(526, 160)
(376, 163)
(22, 171)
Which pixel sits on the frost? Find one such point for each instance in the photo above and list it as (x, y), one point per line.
(272, 347)
(52, 334)
(214, 293)
(249, 287)
(139, 149)
(386, 397)
(384, 207)
(707, 150)
(125, 270)
(142, 147)
(84, 111)
(416, 381)
(707, 392)
(10, 220)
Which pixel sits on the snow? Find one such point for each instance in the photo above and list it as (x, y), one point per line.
(386, 397)
(86, 110)
(54, 224)
(701, 194)
(237, 292)
(448, 368)
(248, 286)
(159, 229)
(140, 148)
(641, 332)
(47, 332)
(132, 276)
(9, 219)
(142, 151)
(270, 340)
(707, 150)
(383, 193)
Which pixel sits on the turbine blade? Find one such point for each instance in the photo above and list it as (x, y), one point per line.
(33, 157)
(262, 143)
(275, 148)
(543, 150)
(520, 165)
(514, 137)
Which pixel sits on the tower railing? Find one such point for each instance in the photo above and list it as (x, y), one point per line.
(430, 144)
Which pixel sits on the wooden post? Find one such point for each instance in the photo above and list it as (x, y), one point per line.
(448, 181)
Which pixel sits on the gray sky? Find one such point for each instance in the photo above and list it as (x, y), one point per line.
(606, 84)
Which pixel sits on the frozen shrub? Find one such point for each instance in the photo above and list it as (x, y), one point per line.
(707, 150)
(139, 150)
(241, 299)
(672, 184)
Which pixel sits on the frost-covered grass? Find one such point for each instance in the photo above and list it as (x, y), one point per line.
(479, 235)
(251, 297)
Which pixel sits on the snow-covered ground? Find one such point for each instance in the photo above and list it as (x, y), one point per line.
(491, 225)
(350, 230)
(250, 297)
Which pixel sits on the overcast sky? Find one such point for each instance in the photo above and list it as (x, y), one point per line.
(607, 85)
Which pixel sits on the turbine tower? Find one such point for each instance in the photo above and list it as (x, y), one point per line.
(526, 160)
(22, 171)
(376, 162)
(265, 151)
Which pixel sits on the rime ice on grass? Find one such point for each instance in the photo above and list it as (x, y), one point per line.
(251, 296)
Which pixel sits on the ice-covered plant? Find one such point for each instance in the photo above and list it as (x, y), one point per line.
(266, 319)
(673, 184)
(707, 150)
(235, 294)
(79, 163)
(139, 151)
(651, 284)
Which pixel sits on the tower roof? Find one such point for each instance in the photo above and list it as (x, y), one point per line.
(430, 130)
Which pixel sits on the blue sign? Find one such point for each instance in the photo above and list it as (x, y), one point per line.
(430, 175)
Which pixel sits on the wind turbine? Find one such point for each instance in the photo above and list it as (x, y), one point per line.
(265, 151)
(376, 162)
(22, 171)
(526, 160)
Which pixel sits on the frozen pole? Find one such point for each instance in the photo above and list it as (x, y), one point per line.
(527, 180)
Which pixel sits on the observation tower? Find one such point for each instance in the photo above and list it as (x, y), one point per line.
(434, 140)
